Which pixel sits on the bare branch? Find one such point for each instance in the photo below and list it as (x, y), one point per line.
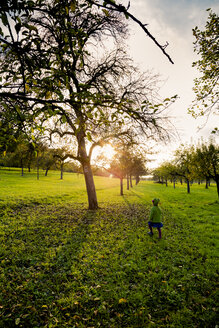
(124, 10)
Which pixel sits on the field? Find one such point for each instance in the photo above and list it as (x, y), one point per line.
(65, 266)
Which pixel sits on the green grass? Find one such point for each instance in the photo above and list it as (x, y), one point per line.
(65, 266)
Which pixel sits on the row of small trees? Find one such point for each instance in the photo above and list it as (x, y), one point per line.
(191, 163)
(126, 163)
(25, 154)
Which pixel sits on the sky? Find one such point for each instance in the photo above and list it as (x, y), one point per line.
(172, 21)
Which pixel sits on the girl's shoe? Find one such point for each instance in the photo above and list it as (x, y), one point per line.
(150, 233)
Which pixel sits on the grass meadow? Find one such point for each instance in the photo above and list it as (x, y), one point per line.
(65, 266)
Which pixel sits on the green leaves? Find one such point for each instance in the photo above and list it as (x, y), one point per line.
(206, 86)
(89, 137)
(4, 19)
(73, 4)
(215, 131)
(18, 27)
(106, 12)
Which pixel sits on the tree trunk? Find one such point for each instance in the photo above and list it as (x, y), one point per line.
(22, 168)
(38, 167)
(217, 183)
(131, 181)
(188, 186)
(91, 190)
(121, 186)
(38, 172)
(174, 183)
(127, 182)
(206, 183)
(88, 174)
(62, 165)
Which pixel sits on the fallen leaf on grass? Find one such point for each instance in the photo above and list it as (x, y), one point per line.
(17, 321)
(122, 300)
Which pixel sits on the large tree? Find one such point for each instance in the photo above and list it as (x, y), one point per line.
(206, 45)
(56, 68)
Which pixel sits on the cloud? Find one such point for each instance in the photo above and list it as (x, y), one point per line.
(173, 21)
(180, 16)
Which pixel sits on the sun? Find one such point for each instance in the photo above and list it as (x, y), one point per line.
(106, 151)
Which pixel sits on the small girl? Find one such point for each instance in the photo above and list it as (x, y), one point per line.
(155, 218)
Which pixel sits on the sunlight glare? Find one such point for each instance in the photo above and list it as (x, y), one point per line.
(107, 151)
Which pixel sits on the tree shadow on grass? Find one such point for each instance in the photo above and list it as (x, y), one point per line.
(41, 263)
(131, 205)
(131, 194)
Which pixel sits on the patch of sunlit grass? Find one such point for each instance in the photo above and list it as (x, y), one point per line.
(64, 266)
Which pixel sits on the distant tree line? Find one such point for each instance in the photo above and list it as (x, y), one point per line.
(194, 163)
(25, 154)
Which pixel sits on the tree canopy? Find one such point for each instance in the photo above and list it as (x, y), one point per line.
(206, 46)
(192, 163)
(64, 70)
